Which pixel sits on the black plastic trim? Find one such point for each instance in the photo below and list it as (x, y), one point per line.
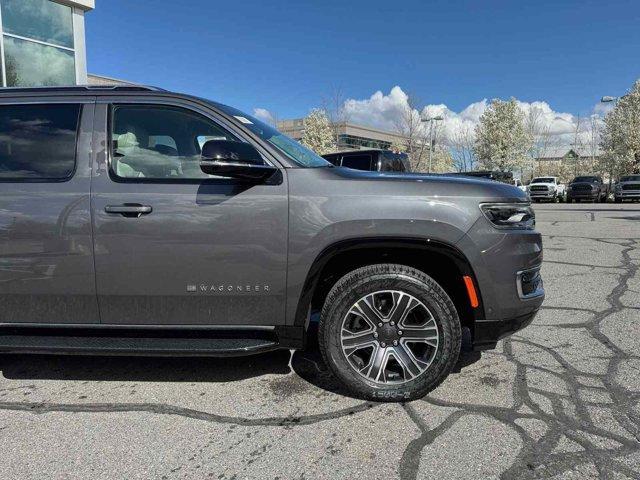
(313, 276)
(488, 332)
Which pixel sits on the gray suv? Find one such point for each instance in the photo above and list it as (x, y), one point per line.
(139, 221)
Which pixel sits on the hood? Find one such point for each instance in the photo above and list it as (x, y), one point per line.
(432, 184)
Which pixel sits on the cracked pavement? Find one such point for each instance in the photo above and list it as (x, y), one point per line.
(560, 399)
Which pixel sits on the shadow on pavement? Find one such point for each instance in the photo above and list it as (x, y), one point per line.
(309, 365)
(143, 369)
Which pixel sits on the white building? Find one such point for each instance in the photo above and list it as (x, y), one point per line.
(42, 42)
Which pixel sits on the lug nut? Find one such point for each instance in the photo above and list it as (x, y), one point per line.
(399, 332)
(380, 324)
(395, 343)
(375, 335)
(393, 323)
(383, 344)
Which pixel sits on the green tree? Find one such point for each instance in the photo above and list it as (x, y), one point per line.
(502, 140)
(621, 135)
(318, 134)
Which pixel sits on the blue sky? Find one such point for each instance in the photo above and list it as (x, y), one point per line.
(285, 56)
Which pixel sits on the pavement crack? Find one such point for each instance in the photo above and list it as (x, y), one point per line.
(161, 409)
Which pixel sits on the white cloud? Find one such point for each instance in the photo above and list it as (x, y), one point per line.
(380, 110)
(385, 111)
(264, 115)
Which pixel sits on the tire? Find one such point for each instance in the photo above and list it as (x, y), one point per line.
(618, 200)
(569, 200)
(398, 284)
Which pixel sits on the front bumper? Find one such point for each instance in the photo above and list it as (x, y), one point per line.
(505, 264)
(629, 194)
(583, 195)
(488, 332)
(544, 195)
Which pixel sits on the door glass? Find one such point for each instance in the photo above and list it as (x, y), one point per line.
(160, 142)
(38, 142)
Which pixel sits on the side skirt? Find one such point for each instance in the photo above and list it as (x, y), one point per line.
(218, 341)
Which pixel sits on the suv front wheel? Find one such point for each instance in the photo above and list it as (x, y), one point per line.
(389, 332)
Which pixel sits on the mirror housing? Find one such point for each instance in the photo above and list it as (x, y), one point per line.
(227, 158)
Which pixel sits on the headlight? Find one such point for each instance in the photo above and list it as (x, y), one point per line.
(511, 216)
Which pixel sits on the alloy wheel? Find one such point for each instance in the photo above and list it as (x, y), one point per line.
(389, 337)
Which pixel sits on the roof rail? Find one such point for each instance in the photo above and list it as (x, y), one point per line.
(83, 88)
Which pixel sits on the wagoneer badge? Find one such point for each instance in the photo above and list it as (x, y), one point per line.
(207, 288)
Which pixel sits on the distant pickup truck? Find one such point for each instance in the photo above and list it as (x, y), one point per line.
(546, 188)
(587, 187)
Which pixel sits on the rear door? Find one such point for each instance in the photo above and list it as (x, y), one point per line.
(46, 252)
(203, 250)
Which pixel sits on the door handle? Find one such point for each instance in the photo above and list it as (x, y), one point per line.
(129, 210)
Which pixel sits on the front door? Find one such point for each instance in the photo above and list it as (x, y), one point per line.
(174, 246)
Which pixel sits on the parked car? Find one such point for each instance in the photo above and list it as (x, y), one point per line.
(627, 188)
(546, 188)
(371, 160)
(587, 187)
(136, 220)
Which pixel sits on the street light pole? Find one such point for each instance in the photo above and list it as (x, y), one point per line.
(437, 118)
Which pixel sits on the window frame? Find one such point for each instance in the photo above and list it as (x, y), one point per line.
(112, 105)
(72, 173)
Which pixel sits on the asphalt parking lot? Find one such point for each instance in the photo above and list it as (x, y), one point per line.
(560, 399)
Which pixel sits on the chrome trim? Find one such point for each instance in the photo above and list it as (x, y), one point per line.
(538, 292)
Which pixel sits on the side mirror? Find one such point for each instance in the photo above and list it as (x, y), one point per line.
(226, 158)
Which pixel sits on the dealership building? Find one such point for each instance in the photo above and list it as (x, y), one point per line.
(42, 42)
(350, 136)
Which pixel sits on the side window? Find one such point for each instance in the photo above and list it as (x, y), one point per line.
(357, 162)
(160, 142)
(38, 142)
(392, 163)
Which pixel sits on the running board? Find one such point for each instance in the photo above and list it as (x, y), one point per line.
(147, 343)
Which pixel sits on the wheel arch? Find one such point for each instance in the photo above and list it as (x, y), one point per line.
(445, 263)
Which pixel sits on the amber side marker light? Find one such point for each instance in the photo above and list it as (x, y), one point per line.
(471, 291)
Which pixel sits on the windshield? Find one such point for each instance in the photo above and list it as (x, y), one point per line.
(542, 180)
(585, 179)
(300, 154)
(630, 178)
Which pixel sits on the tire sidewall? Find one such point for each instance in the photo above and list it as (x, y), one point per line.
(436, 301)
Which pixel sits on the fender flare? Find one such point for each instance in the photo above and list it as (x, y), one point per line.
(329, 252)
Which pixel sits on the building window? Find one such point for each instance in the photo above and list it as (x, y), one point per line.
(37, 43)
(352, 141)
